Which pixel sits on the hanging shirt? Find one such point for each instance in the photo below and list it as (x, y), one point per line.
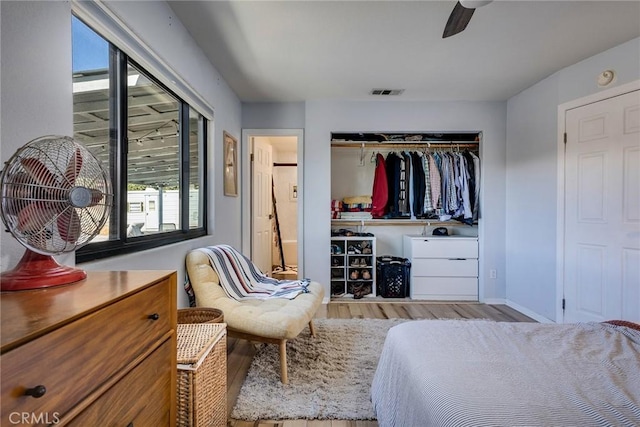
(476, 169)
(418, 184)
(427, 204)
(405, 178)
(393, 183)
(380, 192)
(434, 176)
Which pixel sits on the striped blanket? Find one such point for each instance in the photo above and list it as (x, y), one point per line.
(241, 279)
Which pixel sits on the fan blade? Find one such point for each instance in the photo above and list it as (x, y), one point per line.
(73, 169)
(35, 217)
(69, 225)
(38, 172)
(458, 20)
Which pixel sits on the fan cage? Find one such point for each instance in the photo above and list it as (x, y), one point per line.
(56, 197)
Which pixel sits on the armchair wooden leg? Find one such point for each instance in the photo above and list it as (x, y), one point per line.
(283, 362)
(312, 328)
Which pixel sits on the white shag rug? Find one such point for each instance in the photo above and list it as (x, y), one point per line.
(329, 376)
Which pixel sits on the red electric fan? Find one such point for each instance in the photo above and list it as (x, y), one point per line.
(55, 198)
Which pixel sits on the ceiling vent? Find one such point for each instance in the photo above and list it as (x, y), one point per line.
(387, 92)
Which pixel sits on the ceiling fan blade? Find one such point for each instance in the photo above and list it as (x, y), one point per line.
(69, 225)
(73, 169)
(458, 20)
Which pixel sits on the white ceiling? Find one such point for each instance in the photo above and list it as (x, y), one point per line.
(279, 51)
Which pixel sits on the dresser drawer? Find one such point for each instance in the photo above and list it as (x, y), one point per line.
(445, 288)
(141, 398)
(445, 247)
(77, 358)
(445, 267)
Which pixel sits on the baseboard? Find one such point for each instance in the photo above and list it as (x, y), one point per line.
(494, 301)
(529, 313)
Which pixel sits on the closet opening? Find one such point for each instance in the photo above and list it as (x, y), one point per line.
(392, 192)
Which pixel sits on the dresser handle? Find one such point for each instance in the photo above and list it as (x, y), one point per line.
(130, 424)
(154, 316)
(37, 391)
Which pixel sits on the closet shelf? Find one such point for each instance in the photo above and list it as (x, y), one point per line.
(404, 144)
(413, 222)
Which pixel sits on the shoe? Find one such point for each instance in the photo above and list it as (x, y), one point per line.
(354, 275)
(366, 275)
(358, 291)
(354, 249)
(335, 262)
(355, 262)
(363, 262)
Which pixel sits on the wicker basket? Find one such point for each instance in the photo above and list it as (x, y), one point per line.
(200, 315)
(202, 375)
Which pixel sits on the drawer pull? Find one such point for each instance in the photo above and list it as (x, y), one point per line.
(457, 259)
(154, 316)
(37, 391)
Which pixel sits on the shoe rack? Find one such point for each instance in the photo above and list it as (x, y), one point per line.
(353, 266)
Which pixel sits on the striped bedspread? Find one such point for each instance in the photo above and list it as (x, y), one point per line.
(241, 279)
(485, 373)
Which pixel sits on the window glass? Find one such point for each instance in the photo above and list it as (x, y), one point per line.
(196, 169)
(153, 155)
(150, 141)
(92, 110)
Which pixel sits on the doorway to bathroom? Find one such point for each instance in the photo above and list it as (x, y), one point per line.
(274, 198)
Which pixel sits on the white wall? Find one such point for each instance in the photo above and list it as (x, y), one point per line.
(324, 117)
(37, 100)
(531, 174)
(269, 115)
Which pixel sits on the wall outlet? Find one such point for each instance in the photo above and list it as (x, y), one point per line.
(493, 273)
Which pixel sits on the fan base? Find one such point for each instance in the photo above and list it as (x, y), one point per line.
(36, 271)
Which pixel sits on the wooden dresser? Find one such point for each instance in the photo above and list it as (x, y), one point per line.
(98, 352)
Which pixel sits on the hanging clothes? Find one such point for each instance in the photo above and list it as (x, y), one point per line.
(405, 177)
(418, 185)
(442, 185)
(393, 184)
(380, 192)
(436, 186)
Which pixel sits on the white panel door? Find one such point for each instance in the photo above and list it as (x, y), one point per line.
(602, 210)
(261, 204)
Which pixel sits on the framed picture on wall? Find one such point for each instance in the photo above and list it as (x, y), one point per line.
(230, 165)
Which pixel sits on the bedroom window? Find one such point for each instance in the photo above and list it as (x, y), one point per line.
(150, 141)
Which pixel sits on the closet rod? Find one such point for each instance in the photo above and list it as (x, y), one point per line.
(392, 145)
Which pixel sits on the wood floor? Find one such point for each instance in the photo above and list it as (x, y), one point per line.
(240, 353)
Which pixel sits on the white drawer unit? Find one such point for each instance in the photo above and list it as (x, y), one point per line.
(442, 267)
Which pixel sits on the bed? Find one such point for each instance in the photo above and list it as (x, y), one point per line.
(485, 373)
